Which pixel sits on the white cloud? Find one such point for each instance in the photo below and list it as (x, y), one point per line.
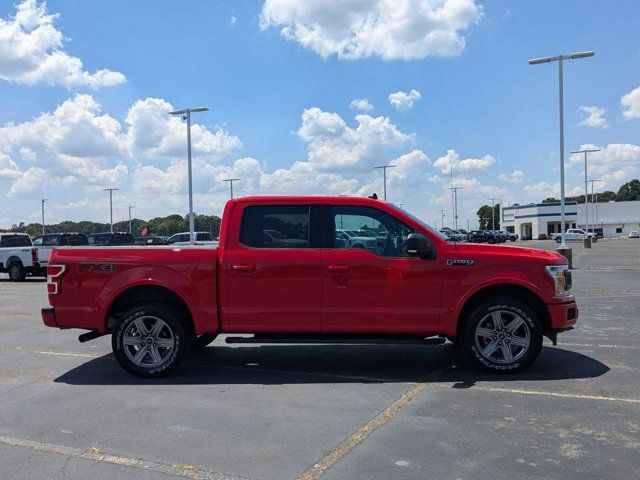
(541, 190)
(452, 160)
(514, 177)
(153, 132)
(332, 144)
(615, 164)
(390, 29)
(8, 168)
(361, 104)
(403, 101)
(32, 51)
(77, 144)
(593, 117)
(631, 104)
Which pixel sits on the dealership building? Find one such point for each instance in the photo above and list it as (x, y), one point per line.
(611, 219)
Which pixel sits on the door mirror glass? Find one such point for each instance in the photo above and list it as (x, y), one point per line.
(419, 246)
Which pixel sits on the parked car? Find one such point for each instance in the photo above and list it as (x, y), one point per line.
(18, 257)
(543, 236)
(482, 236)
(512, 237)
(634, 234)
(107, 239)
(47, 242)
(455, 235)
(500, 236)
(496, 303)
(182, 239)
(352, 239)
(573, 235)
(150, 241)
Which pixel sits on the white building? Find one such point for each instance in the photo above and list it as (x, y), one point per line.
(611, 219)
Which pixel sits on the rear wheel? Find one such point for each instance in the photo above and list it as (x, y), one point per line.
(502, 334)
(558, 239)
(16, 272)
(150, 341)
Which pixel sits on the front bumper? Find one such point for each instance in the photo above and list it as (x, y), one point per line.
(49, 317)
(563, 315)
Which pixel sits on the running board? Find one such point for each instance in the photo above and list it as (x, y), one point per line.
(340, 339)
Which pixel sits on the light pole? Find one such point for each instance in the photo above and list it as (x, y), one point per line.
(130, 207)
(186, 114)
(493, 212)
(110, 190)
(43, 200)
(586, 192)
(454, 191)
(384, 173)
(231, 180)
(442, 218)
(560, 59)
(595, 209)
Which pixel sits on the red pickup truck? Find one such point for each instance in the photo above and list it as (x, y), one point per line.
(281, 273)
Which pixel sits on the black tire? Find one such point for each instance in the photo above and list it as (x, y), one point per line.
(173, 329)
(558, 239)
(17, 272)
(491, 241)
(513, 239)
(509, 309)
(201, 341)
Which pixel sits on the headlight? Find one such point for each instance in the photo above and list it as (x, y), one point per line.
(561, 278)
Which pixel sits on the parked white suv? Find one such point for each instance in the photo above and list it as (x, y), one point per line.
(18, 257)
(573, 234)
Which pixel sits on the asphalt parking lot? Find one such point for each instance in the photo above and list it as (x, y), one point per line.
(68, 411)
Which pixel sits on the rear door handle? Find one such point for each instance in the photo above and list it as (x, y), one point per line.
(339, 268)
(243, 267)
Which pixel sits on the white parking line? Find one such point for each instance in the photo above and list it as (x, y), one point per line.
(65, 354)
(96, 455)
(519, 391)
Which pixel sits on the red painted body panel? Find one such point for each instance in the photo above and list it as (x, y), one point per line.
(235, 288)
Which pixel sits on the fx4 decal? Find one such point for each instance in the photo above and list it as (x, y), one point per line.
(96, 267)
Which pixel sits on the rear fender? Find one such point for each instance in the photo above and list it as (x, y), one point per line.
(203, 310)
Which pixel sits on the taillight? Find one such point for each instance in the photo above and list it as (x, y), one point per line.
(34, 255)
(54, 278)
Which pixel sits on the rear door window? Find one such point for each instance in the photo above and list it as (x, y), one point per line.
(275, 226)
(23, 241)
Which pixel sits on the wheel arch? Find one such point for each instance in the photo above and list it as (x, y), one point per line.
(505, 290)
(14, 258)
(148, 293)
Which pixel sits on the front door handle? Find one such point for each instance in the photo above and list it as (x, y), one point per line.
(243, 267)
(339, 268)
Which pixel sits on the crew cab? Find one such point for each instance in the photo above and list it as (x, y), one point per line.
(18, 257)
(157, 303)
(573, 234)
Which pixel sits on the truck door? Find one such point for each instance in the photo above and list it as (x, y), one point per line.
(379, 290)
(272, 269)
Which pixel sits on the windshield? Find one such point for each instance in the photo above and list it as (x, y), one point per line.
(420, 222)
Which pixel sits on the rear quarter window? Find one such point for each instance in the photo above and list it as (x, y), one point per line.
(275, 226)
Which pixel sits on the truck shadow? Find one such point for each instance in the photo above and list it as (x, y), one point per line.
(296, 364)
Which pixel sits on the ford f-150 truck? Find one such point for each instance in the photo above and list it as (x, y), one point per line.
(495, 302)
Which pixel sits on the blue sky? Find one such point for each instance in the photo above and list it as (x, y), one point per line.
(280, 102)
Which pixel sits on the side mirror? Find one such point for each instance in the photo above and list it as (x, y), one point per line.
(419, 246)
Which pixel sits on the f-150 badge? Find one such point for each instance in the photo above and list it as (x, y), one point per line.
(459, 262)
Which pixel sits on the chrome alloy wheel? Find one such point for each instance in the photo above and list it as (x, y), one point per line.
(503, 337)
(148, 341)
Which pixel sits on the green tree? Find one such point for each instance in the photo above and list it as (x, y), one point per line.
(629, 191)
(485, 216)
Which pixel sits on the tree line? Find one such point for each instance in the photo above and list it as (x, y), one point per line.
(163, 226)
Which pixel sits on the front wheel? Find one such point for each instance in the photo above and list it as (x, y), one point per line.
(502, 334)
(558, 239)
(150, 341)
(16, 272)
